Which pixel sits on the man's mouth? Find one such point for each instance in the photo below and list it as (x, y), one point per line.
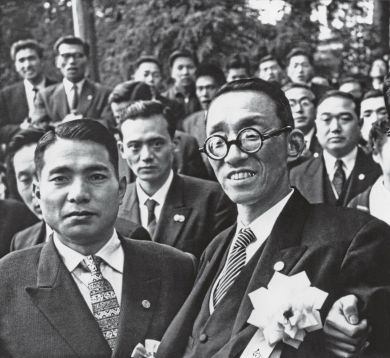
(241, 175)
(81, 214)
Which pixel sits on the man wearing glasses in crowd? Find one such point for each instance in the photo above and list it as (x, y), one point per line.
(342, 252)
(76, 96)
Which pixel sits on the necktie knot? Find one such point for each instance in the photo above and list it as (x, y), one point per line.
(339, 177)
(151, 205)
(244, 238)
(93, 263)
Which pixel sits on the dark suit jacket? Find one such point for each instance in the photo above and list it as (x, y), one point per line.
(310, 176)
(14, 216)
(36, 234)
(14, 109)
(342, 251)
(93, 102)
(204, 207)
(43, 314)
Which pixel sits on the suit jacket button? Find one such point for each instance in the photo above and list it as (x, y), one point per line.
(203, 338)
(146, 304)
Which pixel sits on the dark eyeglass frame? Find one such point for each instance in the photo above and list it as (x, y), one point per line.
(237, 141)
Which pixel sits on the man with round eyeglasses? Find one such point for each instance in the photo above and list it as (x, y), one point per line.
(249, 140)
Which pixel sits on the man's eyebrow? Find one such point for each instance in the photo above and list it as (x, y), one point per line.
(244, 122)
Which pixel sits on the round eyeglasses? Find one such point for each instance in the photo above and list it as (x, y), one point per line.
(249, 140)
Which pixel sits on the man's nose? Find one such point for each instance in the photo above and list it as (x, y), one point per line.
(79, 191)
(334, 125)
(145, 153)
(235, 154)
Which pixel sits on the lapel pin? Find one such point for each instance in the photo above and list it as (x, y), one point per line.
(279, 266)
(179, 218)
(146, 304)
(316, 155)
(89, 97)
(361, 176)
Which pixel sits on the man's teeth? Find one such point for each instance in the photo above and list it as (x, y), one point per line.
(242, 175)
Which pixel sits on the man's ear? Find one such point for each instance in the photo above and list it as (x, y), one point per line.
(36, 190)
(296, 143)
(122, 188)
(120, 148)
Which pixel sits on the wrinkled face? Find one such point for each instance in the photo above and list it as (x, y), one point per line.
(353, 88)
(24, 172)
(183, 71)
(337, 124)
(383, 157)
(302, 108)
(206, 87)
(118, 108)
(72, 62)
(28, 64)
(371, 109)
(270, 71)
(236, 74)
(76, 184)
(148, 72)
(299, 69)
(148, 149)
(250, 180)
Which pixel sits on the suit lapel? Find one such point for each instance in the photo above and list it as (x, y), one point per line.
(60, 102)
(282, 245)
(21, 105)
(129, 209)
(58, 298)
(314, 185)
(174, 214)
(140, 294)
(86, 97)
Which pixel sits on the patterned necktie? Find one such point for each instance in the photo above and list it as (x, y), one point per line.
(75, 98)
(105, 305)
(235, 263)
(339, 177)
(151, 205)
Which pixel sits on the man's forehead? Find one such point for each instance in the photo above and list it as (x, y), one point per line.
(297, 93)
(338, 104)
(373, 102)
(24, 52)
(144, 125)
(203, 80)
(268, 63)
(70, 48)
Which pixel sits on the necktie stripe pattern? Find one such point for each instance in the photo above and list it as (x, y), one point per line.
(151, 205)
(105, 305)
(339, 177)
(235, 263)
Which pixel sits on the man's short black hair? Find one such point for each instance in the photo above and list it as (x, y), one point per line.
(238, 60)
(182, 53)
(71, 40)
(211, 70)
(147, 109)
(130, 91)
(299, 51)
(26, 44)
(84, 129)
(345, 95)
(380, 130)
(272, 90)
(269, 58)
(372, 94)
(147, 58)
(291, 85)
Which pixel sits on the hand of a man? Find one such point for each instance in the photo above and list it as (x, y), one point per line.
(345, 336)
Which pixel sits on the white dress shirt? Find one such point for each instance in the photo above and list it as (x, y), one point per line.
(111, 268)
(68, 86)
(348, 164)
(261, 227)
(30, 94)
(379, 201)
(159, 196)
(308, 138)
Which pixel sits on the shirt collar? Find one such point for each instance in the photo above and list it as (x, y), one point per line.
(262, 225)
(111, 253)
(159, 196)
(69, 85)
(348, 162)
(308, 137)
(29, 86)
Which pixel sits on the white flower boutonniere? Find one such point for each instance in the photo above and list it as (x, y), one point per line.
(284, 312)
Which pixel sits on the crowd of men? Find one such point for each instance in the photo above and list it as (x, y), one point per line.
(137, 221)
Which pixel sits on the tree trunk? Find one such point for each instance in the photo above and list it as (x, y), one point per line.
(84, 27)
(381, 22)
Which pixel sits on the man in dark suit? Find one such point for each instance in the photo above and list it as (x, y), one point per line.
(303, 107)
(76, 96)
(87, 292)
(341, 251)
(17, 100)
(187, 212)
(343, 170)
(21, 176)
(187, 158)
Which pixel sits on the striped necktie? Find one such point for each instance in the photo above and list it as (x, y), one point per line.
(339, 177)
(105, 305)
(152, 222)
(235, 263)
(75, 98)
